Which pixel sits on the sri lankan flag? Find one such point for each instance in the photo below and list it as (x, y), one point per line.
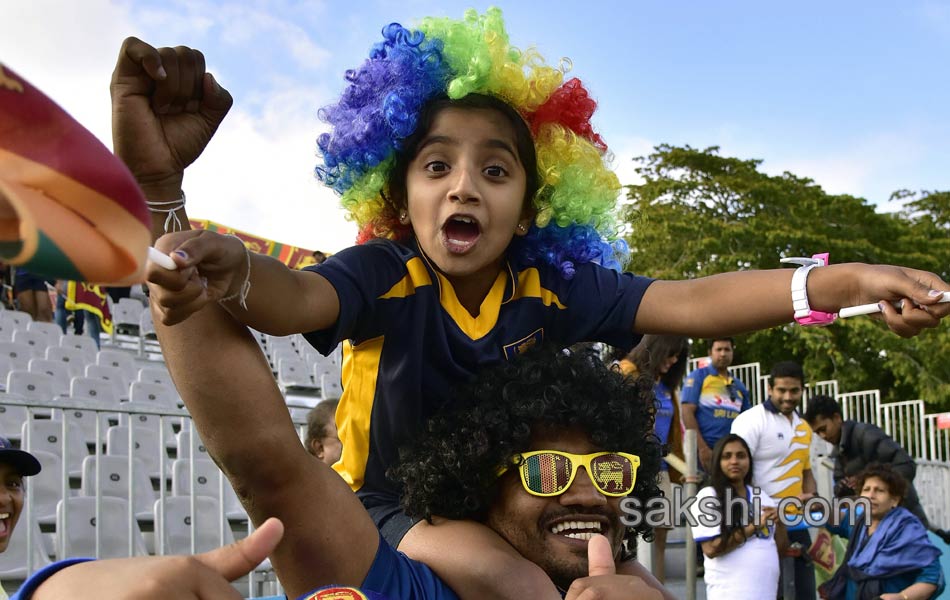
(69, 208)
(92, 298)
(292, 256)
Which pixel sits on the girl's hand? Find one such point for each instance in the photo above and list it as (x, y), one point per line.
(916, 292)
(210, 267)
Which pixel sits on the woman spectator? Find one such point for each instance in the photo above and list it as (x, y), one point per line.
(741, 549)
(32, 295)
(663, 359)
(889, 555)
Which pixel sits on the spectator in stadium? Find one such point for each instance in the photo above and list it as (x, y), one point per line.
(857, 445)
(742, 550)
(318, 256)
(712, 398)
(779, 440)
(14, 466)
(32, 295)
(476, 461)
(61, 314)
(662, 358)
(322, 440)
(889, 555)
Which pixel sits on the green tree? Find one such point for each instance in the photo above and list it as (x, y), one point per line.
(699, 213)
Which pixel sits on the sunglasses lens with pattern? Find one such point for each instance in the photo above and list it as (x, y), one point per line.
(613, 474)
(546, 473)
(550, 473)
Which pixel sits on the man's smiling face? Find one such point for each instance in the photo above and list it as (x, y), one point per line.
(786, 394)
(552, 532)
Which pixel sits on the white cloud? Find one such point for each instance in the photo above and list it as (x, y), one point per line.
(625, 150)
(245, 29)
(44, 42)
(871, 167)
(257, 175)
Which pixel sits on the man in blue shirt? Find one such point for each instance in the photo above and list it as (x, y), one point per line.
(712, 398)
(514, 452)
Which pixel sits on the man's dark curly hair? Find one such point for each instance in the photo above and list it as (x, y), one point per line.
(451, 469)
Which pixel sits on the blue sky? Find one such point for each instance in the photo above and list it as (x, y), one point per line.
(852, 94)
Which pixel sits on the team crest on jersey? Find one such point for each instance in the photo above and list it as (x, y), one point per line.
(524, 344)
(337, 593)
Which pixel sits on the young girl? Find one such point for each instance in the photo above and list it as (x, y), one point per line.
(662, 357)
(737, 541)
(486, 208)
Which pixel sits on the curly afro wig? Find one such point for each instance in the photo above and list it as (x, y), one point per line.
(576, 191)
(451, 469)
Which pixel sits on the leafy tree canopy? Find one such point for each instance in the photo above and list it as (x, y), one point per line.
(699, 213)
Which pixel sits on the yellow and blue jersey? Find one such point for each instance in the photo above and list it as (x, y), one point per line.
(718, 398)
(407, 341)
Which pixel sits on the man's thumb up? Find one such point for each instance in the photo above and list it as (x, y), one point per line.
(240, 558)
(600, 560)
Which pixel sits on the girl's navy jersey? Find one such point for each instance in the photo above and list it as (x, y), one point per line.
(407, 341)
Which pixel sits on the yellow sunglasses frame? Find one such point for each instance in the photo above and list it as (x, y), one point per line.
(577, 461)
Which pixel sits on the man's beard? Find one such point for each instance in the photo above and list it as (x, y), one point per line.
(564, 573)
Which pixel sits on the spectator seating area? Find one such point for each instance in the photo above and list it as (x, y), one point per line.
(117, 446)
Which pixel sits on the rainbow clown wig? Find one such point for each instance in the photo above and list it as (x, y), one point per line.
(380, 108)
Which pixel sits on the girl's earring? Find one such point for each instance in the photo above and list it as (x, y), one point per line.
(404, 217)
(522, 228)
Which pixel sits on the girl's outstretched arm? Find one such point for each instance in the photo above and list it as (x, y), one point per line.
(734, 303)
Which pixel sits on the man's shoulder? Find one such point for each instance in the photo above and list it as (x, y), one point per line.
(757, 415)
(861, 431)
(396, 576)
(757, 412)
(376, 266)
(699, 374)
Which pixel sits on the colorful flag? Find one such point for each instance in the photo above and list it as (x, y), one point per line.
(292, 256)
(92, 298)
(69, 209)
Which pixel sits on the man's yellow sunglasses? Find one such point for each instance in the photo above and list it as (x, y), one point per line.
(551, 472)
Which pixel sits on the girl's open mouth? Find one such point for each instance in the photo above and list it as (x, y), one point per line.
(460, 233)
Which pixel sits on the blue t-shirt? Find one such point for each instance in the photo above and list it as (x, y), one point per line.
(719, 399)
(664, 415)
(394, 576)
(407, 341)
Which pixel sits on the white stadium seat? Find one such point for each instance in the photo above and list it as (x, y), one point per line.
(76, 525)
